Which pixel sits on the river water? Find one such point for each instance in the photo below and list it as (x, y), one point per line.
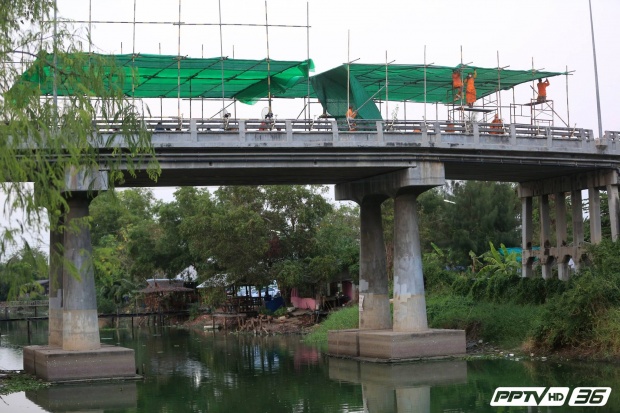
(189, 371)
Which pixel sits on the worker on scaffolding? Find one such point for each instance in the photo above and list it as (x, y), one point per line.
(496, 125)
(542, 90)
(351, 114)
(470, 89)
(457, 84)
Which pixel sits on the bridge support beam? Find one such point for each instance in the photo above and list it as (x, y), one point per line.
(408, 335)
(564, 249)
(74, 351)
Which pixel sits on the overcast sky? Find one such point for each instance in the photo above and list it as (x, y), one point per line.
(550, 35)
(554, 34)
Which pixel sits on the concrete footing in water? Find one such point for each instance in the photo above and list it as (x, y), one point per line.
(54, 364)
(393, 346)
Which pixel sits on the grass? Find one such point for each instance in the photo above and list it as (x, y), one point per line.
(13, 382)
(505, 324)
(343, 319)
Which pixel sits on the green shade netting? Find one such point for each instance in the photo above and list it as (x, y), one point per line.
(331, 89)
(154, 76)
(160, 76)
(406, 82)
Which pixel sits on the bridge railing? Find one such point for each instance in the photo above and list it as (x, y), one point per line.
(435, 132)
(30, 303)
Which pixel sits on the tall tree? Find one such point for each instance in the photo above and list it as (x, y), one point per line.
(42, 138)
(482, 212)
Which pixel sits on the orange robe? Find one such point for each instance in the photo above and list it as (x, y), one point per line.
(470, 90)
(496, 124)
(542, 88)
(457, 83)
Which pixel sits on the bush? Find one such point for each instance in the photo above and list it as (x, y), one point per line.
(346, 318)
(194, 310)
(506, 324)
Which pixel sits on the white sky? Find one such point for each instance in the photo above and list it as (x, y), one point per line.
(554, 34)
(551, 35)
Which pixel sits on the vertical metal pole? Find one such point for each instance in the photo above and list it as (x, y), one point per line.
(348, 68)
(133, 56)
(54, 76)
(598, 99)
(424, 83)
(499, 87)
(90, 26)
(179, 68)
(161, 100)
(308, 55)
(202, 98)
(268, 63)
(567, 108)
(387, 107)
(219, 3)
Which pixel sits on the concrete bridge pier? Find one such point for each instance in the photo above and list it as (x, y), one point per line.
(74, 351)
(560, 254)
(407, 336)
(396, 388)
(374, 313)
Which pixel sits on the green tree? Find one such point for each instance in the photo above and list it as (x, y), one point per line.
(482, 212)
(42, 138)
(19, 274)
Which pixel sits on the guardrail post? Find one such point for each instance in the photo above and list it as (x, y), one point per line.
(335, 130)
(513, 134)
(242, 129)
(380, 131)
(424, 129)
(288, 125)
(193, 130)
(549, 137)
(476, 132)
(437, 137)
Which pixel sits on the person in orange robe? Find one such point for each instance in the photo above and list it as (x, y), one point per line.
(496, 124)
(351, 114)
(542, 90)
(457, 84)
(470, 89)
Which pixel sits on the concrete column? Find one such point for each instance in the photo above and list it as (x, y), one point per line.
(561, 234)
(545, 234)
(576, 205)
(55, 287)
(577, 201)
(374, 303)
(409, 300)
(413, 399)
(612, 198)
(526, 236)
(378, 398)
(596, 235)
(80, 323)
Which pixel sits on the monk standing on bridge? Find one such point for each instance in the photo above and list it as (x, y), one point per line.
(470, 89)
(542, 90)
(457, 84)
(496, 125)
(351, 114)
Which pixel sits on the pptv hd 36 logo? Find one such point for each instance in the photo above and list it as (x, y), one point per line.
(550, 396)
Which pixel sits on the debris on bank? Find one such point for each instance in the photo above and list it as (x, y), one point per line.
(295, 321)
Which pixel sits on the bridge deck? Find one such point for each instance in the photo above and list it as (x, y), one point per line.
(248, 152)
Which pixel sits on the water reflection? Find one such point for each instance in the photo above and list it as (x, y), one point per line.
(398, 388)
(96, 397)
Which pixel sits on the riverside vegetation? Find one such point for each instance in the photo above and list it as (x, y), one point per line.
(578, 319)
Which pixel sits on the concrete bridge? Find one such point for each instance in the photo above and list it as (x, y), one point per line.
(377, 161)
